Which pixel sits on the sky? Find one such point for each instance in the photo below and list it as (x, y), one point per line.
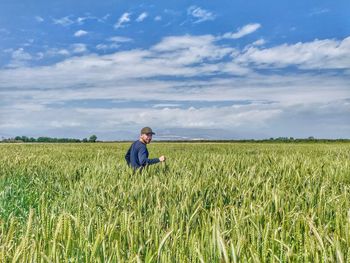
(188, 69)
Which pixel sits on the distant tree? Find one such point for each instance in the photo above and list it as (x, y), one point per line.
(85, 140)
(44, 139)
(25, 139)
(93, 138)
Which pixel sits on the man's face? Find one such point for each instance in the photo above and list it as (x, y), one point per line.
(147, 138)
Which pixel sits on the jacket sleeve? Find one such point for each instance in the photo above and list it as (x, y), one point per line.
(143, 158)
(127, 156)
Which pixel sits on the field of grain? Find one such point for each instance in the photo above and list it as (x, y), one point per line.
(213, 202)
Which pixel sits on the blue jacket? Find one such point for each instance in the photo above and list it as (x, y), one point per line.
(137, 156)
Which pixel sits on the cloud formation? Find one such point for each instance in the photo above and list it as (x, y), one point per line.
(317, 54)
(157, 18)
(79, 48)
(63, 21)
(19, 58)
(124, 19)
(141, 17)
(39, 19)
(113, 43)
(119, 39)
(319, 11)
(241, 32)
(200, 14)
(106, 47)
(80, 33)
(70, 20)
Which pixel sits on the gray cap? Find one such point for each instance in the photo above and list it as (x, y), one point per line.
(146, 130)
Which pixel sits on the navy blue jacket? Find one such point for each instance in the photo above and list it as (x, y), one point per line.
(137, 156)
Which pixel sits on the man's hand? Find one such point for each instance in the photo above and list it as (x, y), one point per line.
(162, 158)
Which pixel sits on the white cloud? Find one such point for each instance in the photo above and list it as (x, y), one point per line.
(40, 55)
(107, 47)
(119, 39)
(141, 17)
(319, 11)
(28, 43)
(39, 19)
(183, 42)
(19, 58)
(58, 52)
(64, 21)
(200, 14)
(73, 20)
(166, 105)
(102, 47)
(81, 20)
(259, 42)
(318, 54)
(80, 33)
(186, 50)
(79, 48)
(52, 52)
(125, 18)
(157, 18)
(116, 40)
(245, 30)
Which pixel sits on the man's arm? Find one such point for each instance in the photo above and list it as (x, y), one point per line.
(127, 156)
(143, 157)
(153, 161)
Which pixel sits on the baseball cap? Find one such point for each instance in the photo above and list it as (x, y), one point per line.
(146, 130)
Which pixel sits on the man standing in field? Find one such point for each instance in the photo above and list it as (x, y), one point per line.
(137, 155)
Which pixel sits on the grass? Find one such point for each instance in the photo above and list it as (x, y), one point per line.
(210, 203)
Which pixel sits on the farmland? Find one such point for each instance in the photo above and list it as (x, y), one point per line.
(211, 202)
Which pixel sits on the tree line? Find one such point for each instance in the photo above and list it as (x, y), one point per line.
(92, 138)
(277, 140)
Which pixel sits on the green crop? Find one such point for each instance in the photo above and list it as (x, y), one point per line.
(211, 202)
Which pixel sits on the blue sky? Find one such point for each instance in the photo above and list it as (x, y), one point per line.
(188, 69)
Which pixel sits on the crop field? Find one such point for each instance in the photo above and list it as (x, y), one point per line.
(211, 202)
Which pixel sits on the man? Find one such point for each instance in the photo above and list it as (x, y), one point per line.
(137, 155)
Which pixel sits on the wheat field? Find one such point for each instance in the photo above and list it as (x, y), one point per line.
(211, 202)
